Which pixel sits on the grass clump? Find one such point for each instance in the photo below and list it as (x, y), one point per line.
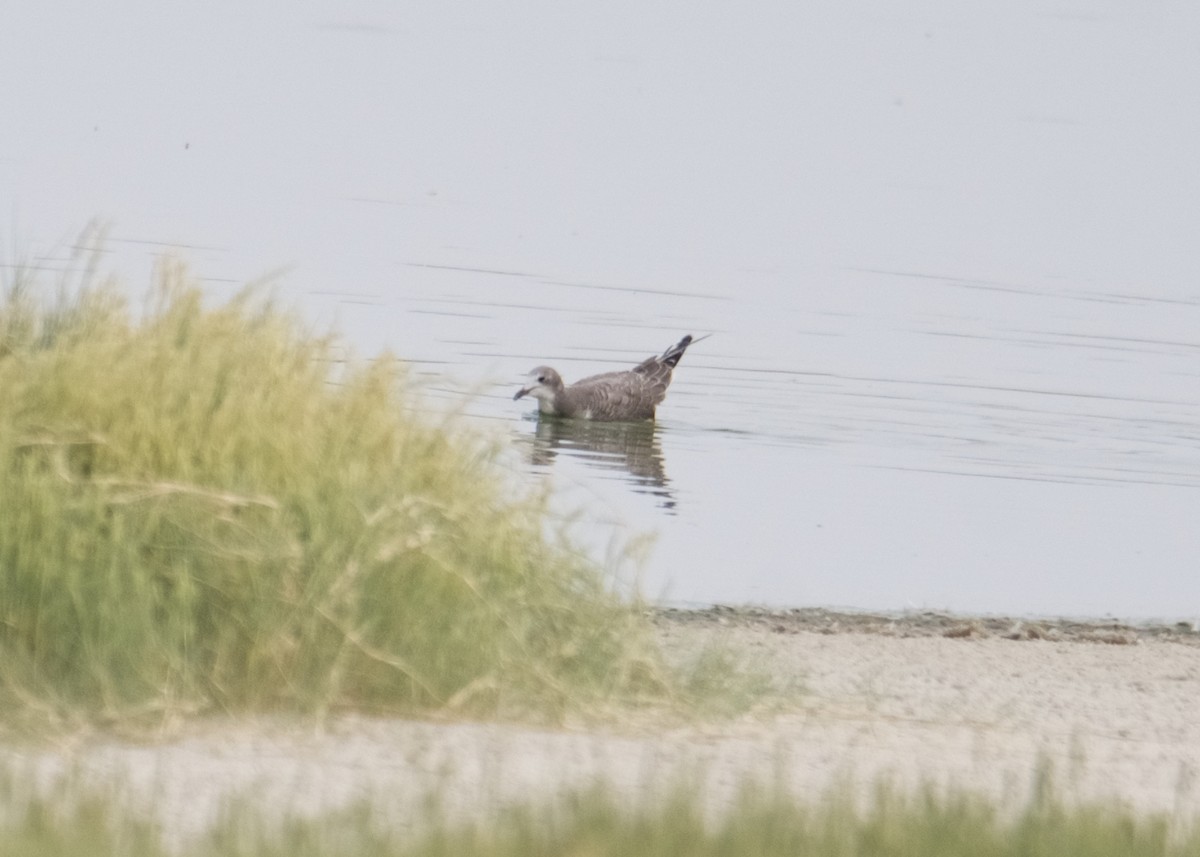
(205, 508)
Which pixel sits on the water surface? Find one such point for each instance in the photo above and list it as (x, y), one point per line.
(947, 254)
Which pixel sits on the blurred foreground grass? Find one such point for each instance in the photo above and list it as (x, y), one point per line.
(597, 822)
(205, 508)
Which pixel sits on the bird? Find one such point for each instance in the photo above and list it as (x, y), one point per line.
(632, 394)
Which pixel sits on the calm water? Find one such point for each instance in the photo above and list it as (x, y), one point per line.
(947, 254)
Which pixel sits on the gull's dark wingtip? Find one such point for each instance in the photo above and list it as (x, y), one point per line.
(674, 354)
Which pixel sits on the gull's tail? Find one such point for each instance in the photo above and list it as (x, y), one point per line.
(674, 354)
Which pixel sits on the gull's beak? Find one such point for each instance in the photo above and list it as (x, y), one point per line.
(522, 392)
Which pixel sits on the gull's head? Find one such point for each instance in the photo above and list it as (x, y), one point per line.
(543, 384)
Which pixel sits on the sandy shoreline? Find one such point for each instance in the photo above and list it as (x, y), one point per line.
(953, 704)
(956, 703)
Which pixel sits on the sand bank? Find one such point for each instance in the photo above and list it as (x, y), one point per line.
(1115, 713)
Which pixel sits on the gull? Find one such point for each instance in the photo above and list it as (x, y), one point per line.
(631, 394)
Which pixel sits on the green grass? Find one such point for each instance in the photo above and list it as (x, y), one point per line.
(207, 508)
(596, 823)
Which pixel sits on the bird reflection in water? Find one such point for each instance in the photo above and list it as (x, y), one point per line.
(632, 448)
